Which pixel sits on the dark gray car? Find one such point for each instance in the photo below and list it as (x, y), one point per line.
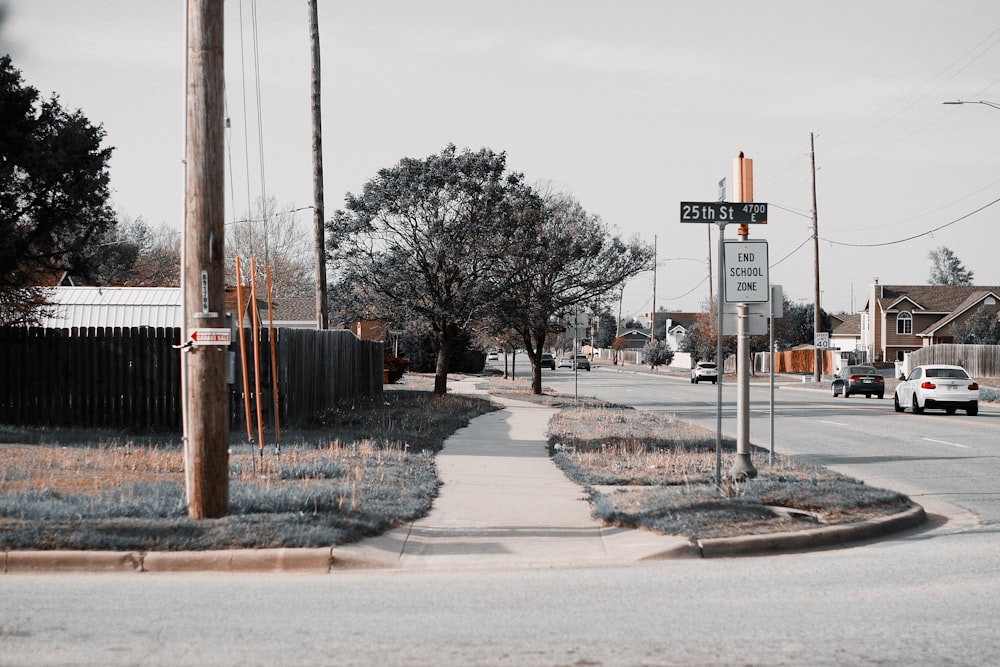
(858, 380)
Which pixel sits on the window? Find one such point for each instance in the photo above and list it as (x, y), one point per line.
(904, 323)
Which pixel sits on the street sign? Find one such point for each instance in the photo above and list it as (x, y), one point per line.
(747, 272)
(822, 340)
(220, 336)
(743, 213)
(756, 323)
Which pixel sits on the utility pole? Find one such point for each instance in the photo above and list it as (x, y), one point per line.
(319, 237)
(207, 427)
(652, 317)
(743, 466)
(818, 363)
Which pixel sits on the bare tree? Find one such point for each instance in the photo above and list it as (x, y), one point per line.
(272, 236)
(558, 256)
(135, 255)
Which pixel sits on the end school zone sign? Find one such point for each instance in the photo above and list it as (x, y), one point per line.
(746, 267)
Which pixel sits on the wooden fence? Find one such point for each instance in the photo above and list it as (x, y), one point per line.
(90, 377)
(981, 361)
(794, 361)
(130, 378)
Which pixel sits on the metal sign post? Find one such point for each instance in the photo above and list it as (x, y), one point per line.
(720, 365)
(748, 275)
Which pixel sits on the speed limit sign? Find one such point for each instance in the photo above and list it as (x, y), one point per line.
(822, 340)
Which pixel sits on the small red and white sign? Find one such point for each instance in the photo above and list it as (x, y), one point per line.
(211, 336)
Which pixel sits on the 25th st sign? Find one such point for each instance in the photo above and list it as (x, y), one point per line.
(741, 213)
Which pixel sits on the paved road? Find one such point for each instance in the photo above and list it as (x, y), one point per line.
(925, 597)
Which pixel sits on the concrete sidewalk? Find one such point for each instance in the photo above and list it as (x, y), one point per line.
(504, 503)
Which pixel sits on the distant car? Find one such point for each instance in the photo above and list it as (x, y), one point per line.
(581, 362)
(492, 355)
(937, 386)
(858, 380)
(705, 370)
(548, 361)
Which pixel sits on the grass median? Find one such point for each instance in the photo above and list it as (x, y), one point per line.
(369, 466)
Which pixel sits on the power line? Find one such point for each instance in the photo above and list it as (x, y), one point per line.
(915, 236)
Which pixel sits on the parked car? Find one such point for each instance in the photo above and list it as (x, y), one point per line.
(492, 355)
(858, 380)
(548, 361)
(937, 386)
(705, 370)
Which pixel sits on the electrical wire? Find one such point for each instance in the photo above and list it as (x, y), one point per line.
(915, 236)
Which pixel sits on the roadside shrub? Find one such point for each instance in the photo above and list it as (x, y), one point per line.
(395, 368)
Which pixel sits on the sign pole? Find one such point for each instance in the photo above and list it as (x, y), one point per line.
(743, 467)
(749, 279)
(718, 354)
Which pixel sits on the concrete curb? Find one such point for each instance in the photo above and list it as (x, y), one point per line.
(35, 562)
(625, 546)
(316, 560)
(813, 538)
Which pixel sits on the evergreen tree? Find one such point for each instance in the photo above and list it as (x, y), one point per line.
(947, 269)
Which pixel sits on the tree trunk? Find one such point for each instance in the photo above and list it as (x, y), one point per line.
(441, 371)
(534, 349)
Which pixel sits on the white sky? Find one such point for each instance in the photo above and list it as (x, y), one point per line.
(632, 107)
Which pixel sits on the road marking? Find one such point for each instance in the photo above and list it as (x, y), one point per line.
(944, 442)
(833, 423)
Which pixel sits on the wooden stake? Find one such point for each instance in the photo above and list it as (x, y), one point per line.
(274, 364)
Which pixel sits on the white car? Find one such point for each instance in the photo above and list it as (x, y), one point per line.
(937, 387)
(704, 370)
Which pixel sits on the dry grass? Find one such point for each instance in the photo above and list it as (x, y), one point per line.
(649, 470)
(366, 467)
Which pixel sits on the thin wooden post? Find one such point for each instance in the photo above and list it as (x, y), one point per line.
(243, 350)
(207, 470)
(274, 364)
(255, 317)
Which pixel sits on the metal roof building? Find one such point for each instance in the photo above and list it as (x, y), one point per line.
(114, 307)
(127, 307)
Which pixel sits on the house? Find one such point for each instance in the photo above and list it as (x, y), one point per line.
(902, 318)
(846, 333)
(634, 339)
(676, 325)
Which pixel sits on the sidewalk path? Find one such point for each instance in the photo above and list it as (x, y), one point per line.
(504, 503)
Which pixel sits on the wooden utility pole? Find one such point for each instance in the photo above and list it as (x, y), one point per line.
(319, 237)
(817, 361)
(207, 428)
(652, 317)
